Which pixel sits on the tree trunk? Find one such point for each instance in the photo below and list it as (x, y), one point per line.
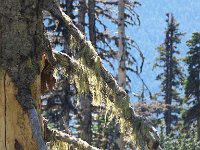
(81, 15)
(169, 75)
(91, 15)
(85, 99)
(21, 45)
(121, 52)
(15, 130)
(121, 58)
(86, 117)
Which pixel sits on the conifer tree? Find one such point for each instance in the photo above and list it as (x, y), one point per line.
(171, 75)
(192, 86)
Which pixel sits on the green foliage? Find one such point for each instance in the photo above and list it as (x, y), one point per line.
(192, 84)
(171, 76)
(185, 140)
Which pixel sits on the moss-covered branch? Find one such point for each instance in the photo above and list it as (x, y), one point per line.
(77, 142)
(144, 133)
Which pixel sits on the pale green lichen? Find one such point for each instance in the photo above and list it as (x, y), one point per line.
(88, 81)
(59, 145)
(117, 105)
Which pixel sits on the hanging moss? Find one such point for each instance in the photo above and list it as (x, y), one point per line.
(59, 145)
(89, 80)
(95, 85)
(104, 88)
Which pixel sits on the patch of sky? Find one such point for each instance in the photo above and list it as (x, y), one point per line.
(150, 34)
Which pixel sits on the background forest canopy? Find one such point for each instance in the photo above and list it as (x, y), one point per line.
(173, 110)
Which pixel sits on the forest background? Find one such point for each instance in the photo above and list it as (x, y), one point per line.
(149, 31)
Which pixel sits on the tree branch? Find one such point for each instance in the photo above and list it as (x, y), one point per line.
(36, 129)
(145, 134)
(77, 142)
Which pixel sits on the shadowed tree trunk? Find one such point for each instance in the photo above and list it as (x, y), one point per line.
(85, 107)
(91, 15)
(21, 44)
(86, 117)
(81, 15)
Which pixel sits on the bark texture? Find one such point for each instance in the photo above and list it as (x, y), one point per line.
(21, 45)
(15, 130)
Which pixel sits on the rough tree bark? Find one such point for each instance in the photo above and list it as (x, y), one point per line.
(21, 44)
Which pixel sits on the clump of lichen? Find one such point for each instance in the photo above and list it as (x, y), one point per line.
(58, 145)
(89, 80)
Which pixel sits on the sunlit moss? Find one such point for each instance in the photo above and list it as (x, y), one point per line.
(88, 79)
(59, 145)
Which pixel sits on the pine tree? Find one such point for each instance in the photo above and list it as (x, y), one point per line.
(171, 75)
(192, 87)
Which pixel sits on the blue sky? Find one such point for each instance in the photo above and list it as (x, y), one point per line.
(150, 34)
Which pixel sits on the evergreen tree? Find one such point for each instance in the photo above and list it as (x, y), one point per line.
(171, 75)
(192, 87)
